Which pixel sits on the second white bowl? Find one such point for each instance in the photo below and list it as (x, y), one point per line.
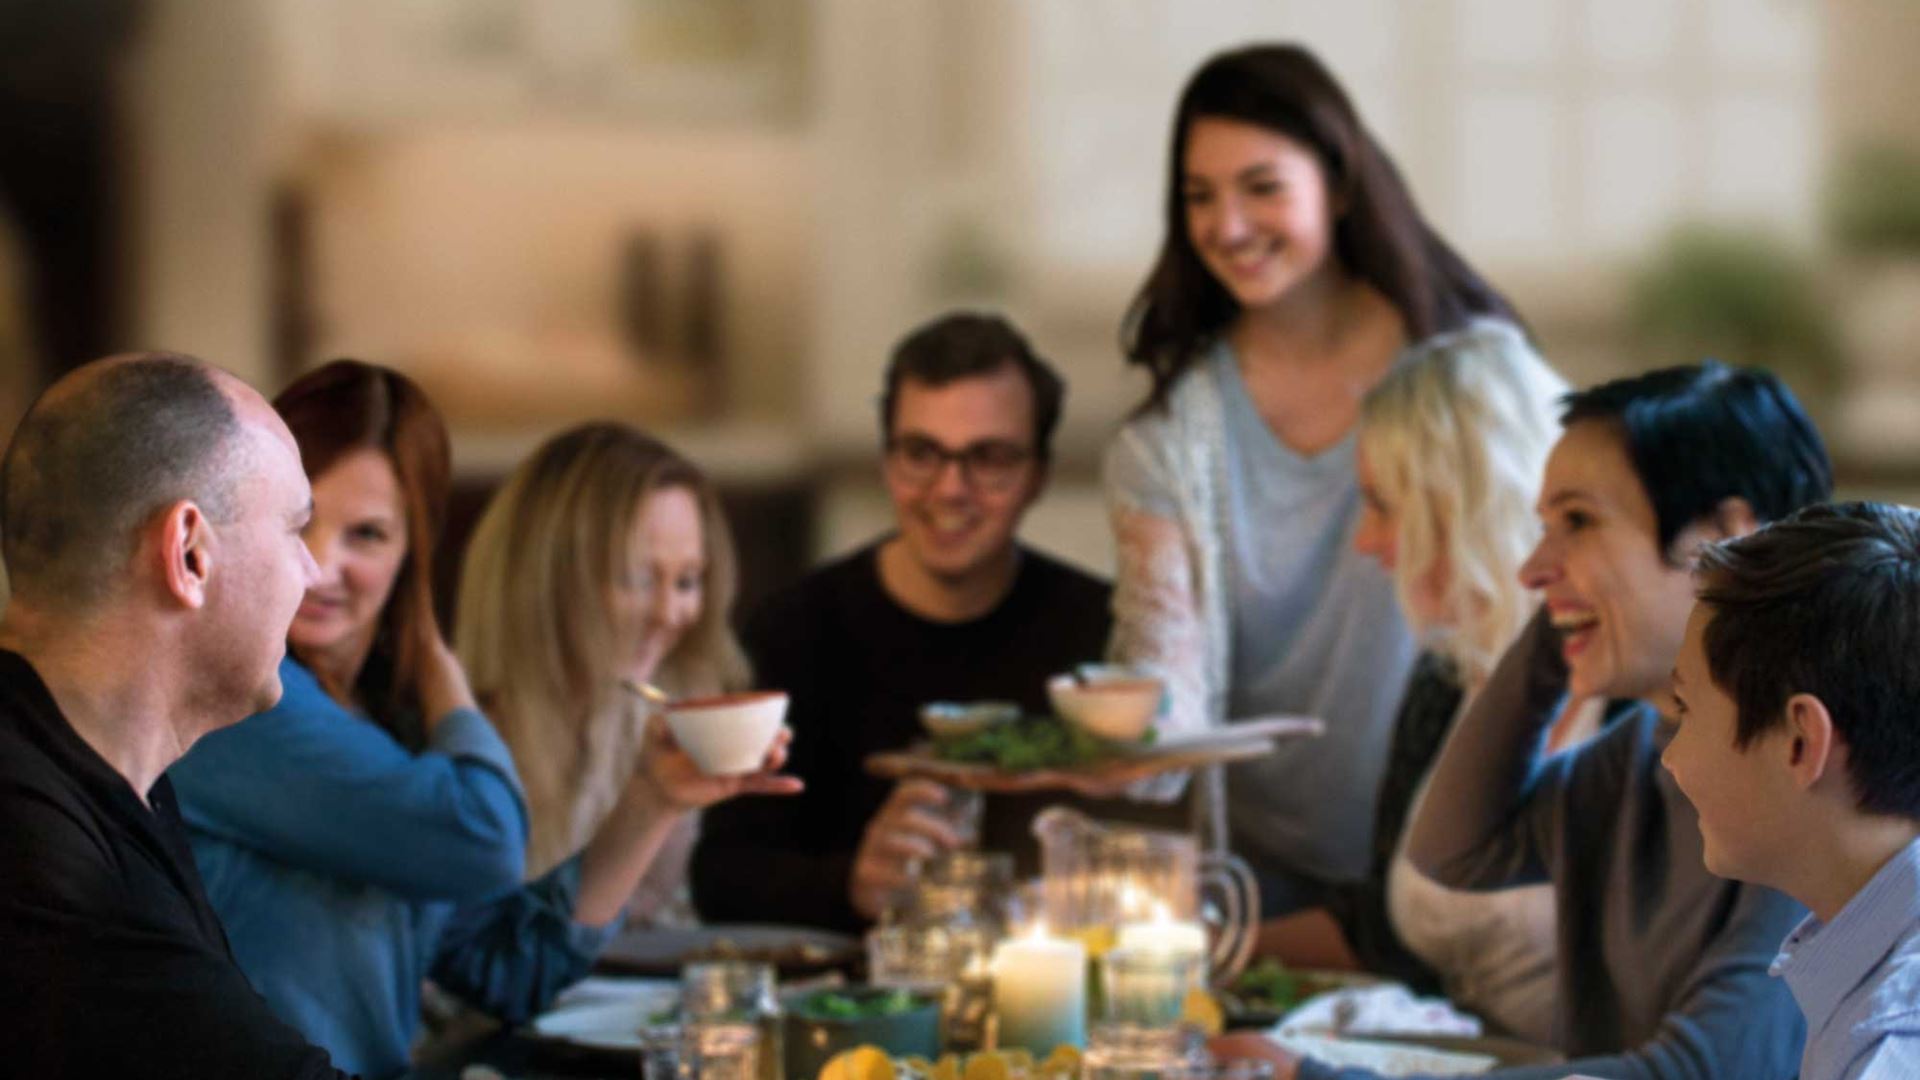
(1117, 708)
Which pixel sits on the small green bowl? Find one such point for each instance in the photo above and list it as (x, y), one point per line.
(812, 1038)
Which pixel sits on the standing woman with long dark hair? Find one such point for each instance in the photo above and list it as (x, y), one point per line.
(1295, 271)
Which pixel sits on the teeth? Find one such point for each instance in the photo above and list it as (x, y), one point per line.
(1570, 621)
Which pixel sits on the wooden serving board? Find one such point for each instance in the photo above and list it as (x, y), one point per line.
(1242, 741)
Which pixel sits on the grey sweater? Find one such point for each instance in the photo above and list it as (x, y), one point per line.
(1662, 966)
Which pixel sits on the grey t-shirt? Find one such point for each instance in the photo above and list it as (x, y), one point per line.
(1315, 630)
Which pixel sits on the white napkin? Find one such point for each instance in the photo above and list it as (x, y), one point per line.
(1386, 1009)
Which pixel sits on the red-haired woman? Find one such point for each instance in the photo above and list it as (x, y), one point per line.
(370, 830)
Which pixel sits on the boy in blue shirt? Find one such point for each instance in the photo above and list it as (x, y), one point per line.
(1798, 694)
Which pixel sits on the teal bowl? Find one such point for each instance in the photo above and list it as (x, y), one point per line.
(816, 1032)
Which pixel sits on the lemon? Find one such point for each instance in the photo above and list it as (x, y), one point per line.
(988, 1065)
(1097, 940)
(947, 1068)
(1202, 1010)
(859, 1063)
(1063, 1062)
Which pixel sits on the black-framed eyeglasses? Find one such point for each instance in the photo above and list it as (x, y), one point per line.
(990, 464)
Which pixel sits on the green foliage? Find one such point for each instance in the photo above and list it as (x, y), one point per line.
(1036, 742)
(1873, 202)
(840, 1005)
(1739, 296)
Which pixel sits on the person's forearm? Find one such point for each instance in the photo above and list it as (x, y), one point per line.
(619, 854)
(1468, 831)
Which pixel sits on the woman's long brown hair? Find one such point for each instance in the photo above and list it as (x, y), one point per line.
(1380, 237)
(350, 405)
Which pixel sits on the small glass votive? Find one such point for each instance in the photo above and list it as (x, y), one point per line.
(1126, 1052)
(1237, 1069)
(1147, 988)
(716, 998)
(660, 1052)
(719, 1050)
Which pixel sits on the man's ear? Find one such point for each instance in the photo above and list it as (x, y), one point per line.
(186, 553)
(1810, 744)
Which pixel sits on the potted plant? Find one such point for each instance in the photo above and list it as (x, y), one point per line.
(1742, 296)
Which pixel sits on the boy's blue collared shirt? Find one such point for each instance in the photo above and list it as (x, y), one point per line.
(1857, 979)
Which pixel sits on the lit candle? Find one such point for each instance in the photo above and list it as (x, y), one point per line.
(1040, 992)
(1163, 933)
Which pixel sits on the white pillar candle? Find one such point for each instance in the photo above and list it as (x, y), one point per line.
(1174, 937)
(1040, 992)
(1164, 934)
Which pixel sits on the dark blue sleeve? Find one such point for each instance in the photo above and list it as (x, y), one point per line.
(316, 786)
(1733, 1021)
(512, 954)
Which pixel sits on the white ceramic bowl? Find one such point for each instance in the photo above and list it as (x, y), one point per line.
(1117, 707)
(954, 719)
(730, 734)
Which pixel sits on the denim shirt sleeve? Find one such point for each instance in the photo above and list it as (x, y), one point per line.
(511, 955)
(316, 786)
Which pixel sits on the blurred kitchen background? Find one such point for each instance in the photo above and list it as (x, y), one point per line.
(715, 217)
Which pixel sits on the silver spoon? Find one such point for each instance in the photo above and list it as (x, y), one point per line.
(647, 692)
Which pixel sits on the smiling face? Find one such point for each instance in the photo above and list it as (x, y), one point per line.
(1620, 607)
(663, 592)
(1257, 207)
(359, 539)
(953, 526)
(1748, 804)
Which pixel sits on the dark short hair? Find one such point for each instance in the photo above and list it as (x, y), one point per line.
(967, 345)
(1826, 602)
(88, 466)
(1706, 432)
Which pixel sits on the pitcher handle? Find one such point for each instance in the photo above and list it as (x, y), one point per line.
(1227, 877)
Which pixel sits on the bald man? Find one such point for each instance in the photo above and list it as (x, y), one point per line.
(150, 518)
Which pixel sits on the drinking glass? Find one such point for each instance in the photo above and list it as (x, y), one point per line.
(717, 997)
(1147, 988)
(660, 1052)
(723, 1050)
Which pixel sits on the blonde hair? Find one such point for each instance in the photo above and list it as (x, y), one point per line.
(535, 629)
(1456, 439)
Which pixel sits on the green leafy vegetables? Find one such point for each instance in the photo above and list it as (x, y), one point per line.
(1035, 742)
(838, 1005)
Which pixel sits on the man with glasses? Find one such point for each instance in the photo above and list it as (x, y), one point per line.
(949, 606)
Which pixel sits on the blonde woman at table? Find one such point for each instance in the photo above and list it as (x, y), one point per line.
(1451, 448)
(369, 831)
(1294, 271)
(604, 559)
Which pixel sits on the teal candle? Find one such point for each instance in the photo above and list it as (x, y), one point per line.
(1040, 993)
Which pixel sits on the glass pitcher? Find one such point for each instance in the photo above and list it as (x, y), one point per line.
(1096, 877)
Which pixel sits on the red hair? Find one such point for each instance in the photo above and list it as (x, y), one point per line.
(347, 406)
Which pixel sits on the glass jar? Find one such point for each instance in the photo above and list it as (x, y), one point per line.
(938, 934)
